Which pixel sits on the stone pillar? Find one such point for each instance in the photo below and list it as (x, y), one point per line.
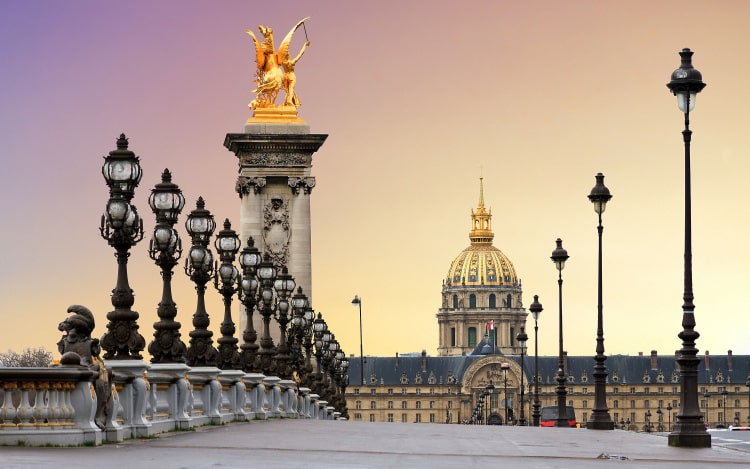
(274, 185)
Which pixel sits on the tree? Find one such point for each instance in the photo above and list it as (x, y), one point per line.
(30, 357)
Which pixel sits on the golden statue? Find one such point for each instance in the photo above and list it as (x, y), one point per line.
(275, 72)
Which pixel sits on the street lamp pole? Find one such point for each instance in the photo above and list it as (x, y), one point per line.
(521, 337)
(505, 366)
(669, 420)
(686, 82)
(600, 418)
(559, 256)
(358, 301)
(536, 309)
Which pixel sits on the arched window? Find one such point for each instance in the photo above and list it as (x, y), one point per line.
(493, 301)
(455, 301)
(472, 337)
(472, 301)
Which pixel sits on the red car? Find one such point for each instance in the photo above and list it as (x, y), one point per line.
(549, 416)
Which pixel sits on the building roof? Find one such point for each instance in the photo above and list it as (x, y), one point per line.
(624, 369)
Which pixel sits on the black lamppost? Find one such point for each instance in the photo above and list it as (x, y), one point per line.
(227, 245)
(319, 329)
(669, 417)
(490, 390)
(689, 429)
(505, 367)
(122, 228)
(559, 256)
(166, 201)
(521, 337)
(297, 331)
(707, 397)
(266, 277)
(358, 301)
(600, 418)
(199, 266)
(284, 286)
(648, 421)
(250, 258)
(660, 428)
(536, 309)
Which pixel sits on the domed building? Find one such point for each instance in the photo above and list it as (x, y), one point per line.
(481, 294)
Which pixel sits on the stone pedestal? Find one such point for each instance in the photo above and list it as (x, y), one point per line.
(274, 185)
(168, 397)
(205, 395)
(129, 378)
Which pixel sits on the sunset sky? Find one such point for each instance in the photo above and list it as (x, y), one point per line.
(419, 99)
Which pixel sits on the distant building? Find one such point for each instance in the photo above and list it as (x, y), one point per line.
(482, 288)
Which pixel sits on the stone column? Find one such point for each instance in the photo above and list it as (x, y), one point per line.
(274, 185)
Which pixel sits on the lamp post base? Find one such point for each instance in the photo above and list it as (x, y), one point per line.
(600, 425)
(699, 439)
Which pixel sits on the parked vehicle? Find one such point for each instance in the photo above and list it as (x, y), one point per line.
(549, 416)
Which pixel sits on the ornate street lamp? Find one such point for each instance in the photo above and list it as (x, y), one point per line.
(707, 397)
(284, 286)
(358, 301)
(659, 420)
(600, 418)
(199, 266)
(297, 332)
(250, 258)
(559, 256)
(166, 201)
(505, 367)
(536, 310)
(689, 429)
(490, 390)
(227, 245)
(521, 337)
(319, 330)
(669, 417)
(266, 277)
(122, 228)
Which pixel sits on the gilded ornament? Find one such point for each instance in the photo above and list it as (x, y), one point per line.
(275, 72)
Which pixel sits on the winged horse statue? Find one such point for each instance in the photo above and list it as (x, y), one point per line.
(275, 68)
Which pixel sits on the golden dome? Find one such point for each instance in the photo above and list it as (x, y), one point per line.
(481, 263)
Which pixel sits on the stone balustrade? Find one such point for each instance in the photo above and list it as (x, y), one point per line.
(56, 405)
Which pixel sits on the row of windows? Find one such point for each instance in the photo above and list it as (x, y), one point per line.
(404, 418)
(508, 303)
(404, 404)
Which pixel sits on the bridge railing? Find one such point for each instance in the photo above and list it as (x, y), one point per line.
(57, 405)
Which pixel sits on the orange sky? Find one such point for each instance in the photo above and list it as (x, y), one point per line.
(419, 99)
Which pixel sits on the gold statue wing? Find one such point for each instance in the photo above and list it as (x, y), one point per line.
(282, 55)
(260, 58)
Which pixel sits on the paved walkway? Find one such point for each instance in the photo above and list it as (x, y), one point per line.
(340, 444)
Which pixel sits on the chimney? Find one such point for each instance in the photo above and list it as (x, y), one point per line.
(653, 359)
(729, 360)
(707, 366)
(397, 359)
(640, 354)
(424, 360)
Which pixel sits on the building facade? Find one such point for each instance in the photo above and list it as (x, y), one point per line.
(643, 391)
(480, 290)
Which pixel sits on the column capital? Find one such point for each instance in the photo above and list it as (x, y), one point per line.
(305, 184)
(246, 184)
